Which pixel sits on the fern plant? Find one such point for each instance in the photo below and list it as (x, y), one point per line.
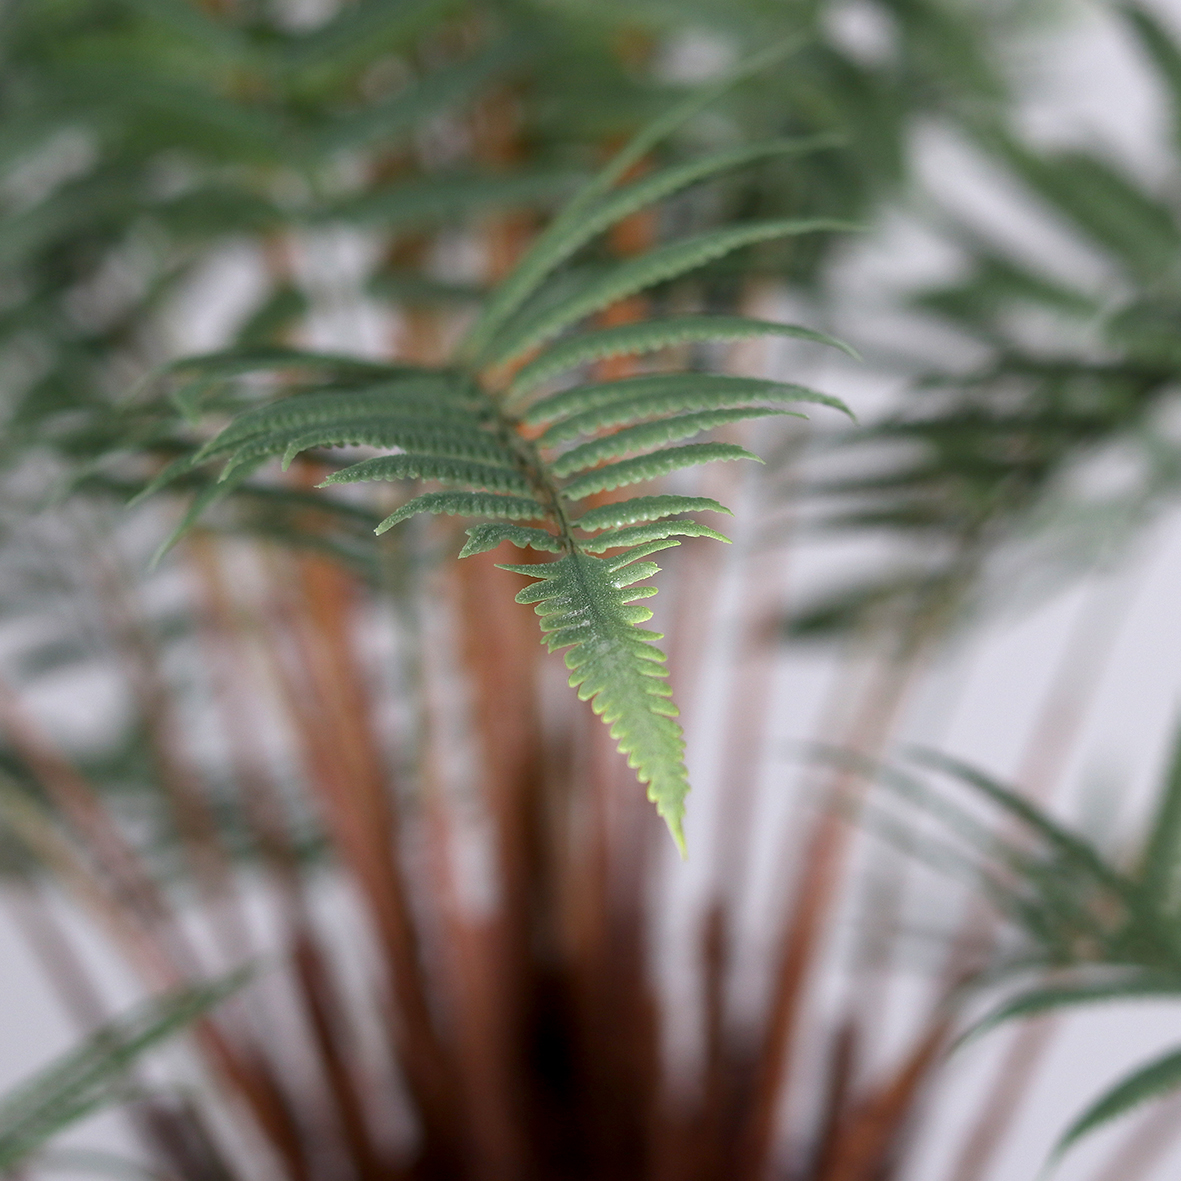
(509, 451)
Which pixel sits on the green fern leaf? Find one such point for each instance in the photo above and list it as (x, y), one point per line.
(432, 467)
(638, 274)
(649, 467)
(587, 408)
(490, 535)
(587, 604)
(652, 434)
(646, 508)
(639, 534)
(468, 504)
(650, 335)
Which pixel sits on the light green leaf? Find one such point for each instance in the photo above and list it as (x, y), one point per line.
(588, 605)
(1043, 1000)
(204, 500)
(637, 274)
(649, 467)
(650, 335)
(431, 199)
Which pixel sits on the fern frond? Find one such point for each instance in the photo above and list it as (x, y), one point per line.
(586, 408)
(648, 270)
(432, 467)
(490, 535)
(649, 336)
(646, 508)
(467, 504)
(649, 467)
(652, 434)
(587, 604)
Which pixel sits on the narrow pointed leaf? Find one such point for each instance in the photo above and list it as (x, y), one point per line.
(1160, 873)
(651, 335)
(638, 534)
(586, 408)
(646, 508)
(652, 434)
(467, 504)
(1149, 1082)
(88, 1078)
(637, 274)
(486, 537)
(432, 467)
(650, 467)
(565, 234)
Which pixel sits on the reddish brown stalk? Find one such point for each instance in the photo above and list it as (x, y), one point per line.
(871, 1134)
(96, 830)
(1144, 1145)
(805, 926)
(841, 1063)
(264, 811)
(329, 708)
(1005, 1098)
(1076, 680)
(195, 823)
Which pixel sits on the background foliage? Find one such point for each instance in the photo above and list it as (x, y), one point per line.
(343, 758)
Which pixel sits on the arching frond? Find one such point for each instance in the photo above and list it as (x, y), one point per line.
(460, 427)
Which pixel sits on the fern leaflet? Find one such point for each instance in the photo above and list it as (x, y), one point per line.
(588, 606)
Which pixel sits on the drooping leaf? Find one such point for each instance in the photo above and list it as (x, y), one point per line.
(1148, 1082)
(587, 604)
(493, 477)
